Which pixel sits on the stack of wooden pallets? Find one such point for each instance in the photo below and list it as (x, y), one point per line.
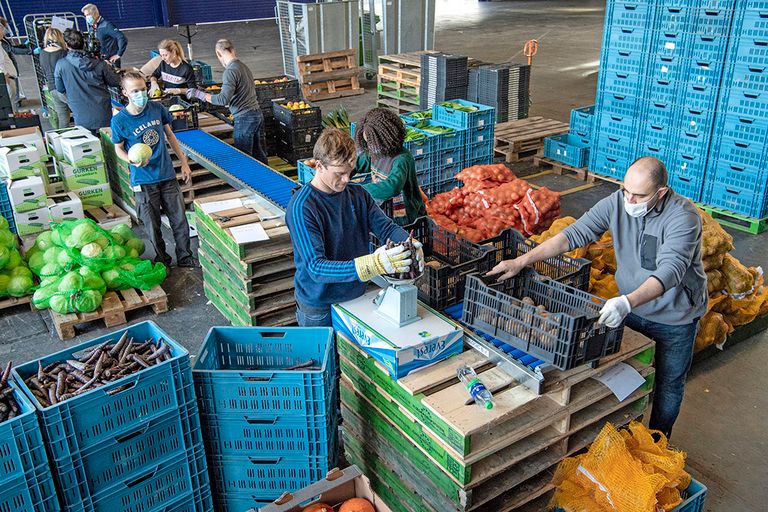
(427, 447)
(524, 138)
(325, 76)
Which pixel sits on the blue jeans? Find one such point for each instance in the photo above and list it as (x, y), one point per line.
(311, 316)
(674, 353)
(248, 134)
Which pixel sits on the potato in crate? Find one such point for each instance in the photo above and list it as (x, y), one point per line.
(546, 319)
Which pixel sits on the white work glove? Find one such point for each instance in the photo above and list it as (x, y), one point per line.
(419, 254)
(383, 261)
(614, 311)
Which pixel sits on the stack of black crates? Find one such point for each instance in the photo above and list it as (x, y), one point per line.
(297, 130)
(269, 89)
(502, 86)
(443, 77)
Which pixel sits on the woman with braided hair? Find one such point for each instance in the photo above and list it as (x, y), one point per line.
(379, 138)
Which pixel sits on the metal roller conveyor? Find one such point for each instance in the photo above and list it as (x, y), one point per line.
(236, 168)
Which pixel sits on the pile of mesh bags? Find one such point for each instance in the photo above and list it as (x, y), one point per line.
(16, 280)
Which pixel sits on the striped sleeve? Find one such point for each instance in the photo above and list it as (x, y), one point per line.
(308, 240)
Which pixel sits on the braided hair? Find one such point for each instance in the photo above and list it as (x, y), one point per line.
(384, 131)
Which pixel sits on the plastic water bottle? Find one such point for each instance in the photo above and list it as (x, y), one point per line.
(477, 389)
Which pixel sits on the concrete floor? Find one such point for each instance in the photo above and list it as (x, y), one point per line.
(723, 421)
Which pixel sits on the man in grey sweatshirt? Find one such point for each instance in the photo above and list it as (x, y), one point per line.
(657, 239)
(239, 94)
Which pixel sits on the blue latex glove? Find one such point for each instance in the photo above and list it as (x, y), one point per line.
(196, 93)
(36, 50)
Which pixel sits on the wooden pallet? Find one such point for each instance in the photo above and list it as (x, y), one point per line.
(398, 105)
(112, 310)
(398, 91)
(329, 75)
(12, 302)
(278, 318)
(109, 216)
(524, 138)
(562, 169)
(736, 221)
(599, 177)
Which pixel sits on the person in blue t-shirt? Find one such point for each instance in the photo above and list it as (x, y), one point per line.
(330, 221)
(154, 180)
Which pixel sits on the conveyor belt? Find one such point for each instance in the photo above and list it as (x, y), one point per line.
(246, 171)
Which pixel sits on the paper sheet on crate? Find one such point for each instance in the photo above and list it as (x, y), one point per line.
(249, 233)
(220, 206)
(621, 379)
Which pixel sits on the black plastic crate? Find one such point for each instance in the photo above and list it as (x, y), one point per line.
(299, 118)
(450, 258)
(510, 244)
(292, 153)
(299, 136)
(183, 119)
(564, 333)
(266, 92)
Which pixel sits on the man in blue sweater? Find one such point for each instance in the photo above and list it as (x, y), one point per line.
(657, 238)
(112, 41)
(330, 221)
(154, 180)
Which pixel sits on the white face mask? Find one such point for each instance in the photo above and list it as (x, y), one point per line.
(637, 209)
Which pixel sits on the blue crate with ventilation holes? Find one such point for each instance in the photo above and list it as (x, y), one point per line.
(455, 118)
(569, 149)
(582, 120)
(693, 498)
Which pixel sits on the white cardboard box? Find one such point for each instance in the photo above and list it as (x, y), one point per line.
(29, 135)
(401, 350)
(31, 222)
(84, 176)
(80, 149)
(53, 139)
(65, 207)
(27, 194)
(95, 197)
(19, 161)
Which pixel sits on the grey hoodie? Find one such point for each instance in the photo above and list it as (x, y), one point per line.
(665, 244)
(84, 80)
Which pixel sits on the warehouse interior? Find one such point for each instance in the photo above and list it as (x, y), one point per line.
(721, 426)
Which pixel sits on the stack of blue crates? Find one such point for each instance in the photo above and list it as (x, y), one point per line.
(5, 206)
(26, 483)
(479, 130)
(132, 444)
(269, 410)
(573, 148)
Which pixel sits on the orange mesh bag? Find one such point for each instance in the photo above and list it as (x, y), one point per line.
(497, 173)
(713, 330)
(623, 471)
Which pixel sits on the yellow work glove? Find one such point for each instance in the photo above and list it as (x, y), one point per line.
(383, 261)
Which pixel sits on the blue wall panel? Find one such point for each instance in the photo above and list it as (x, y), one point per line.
(123, 13)
(202, 11)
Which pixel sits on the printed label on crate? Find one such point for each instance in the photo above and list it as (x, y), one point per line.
(95, 197)
(449, 160)
(84, 176)
(400, 349)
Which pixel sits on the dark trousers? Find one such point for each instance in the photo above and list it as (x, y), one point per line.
(674, 353)
(249, 134)
(165, 196)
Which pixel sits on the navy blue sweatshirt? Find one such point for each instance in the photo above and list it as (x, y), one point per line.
(84, 80)
(328, 232)
(113, 42)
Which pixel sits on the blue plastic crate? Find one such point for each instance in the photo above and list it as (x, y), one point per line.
(410, 119)
(609, 165)
(670, 44)
(446, 158)
(663, 91)
(5, 207)
(713, 20)
(116, 408)
(745, 102)
(123, 458)
(478, 151)
(653, 139)
(484, 115)
(663, 68)
(289, 435)
(477, 161)
(425, 146)
(227, 383)
(616, 125)
(744, 128)
(752, 21)
(440, 174)
(752, 51)
(624, 61)
(240, 502)
(704, 72)
(480, 135)
(698, 95)
(622, 84)
(745, 201)
(439, 187)
(696, 121)
(32, 491)
(618, 104)
(569, 149)
(749, 78)
(709, 48)
(21, 442)
(196, 501)
(626, 38)
(659, 113)
(423, 163)
(740, 153)
(687, 175)
(628, 15)
(206, 71)
(581, 121)
(674, 18)
(266, 478)
(693, 143)
(619, 147)
(742, 176)
(693, 499)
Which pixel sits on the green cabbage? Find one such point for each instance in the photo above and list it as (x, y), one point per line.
(43, 295)
(137, 244)
(133, 254)
(92, 250)
(71, 282)
(36, 262)
(14, 260)
(7, 239)
(56, 238)
(112, 279)
(21, 271)
(60, 304)
(3, 223)
(123, 231)
(102, 241)
(87, 301)
(5, 256)
(65, 261)
(51, 270)
(44, 241)
(115, 253)
(4, 280)
(82, 234)
(19, 286)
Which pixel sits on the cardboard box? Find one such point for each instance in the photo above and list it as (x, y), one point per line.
(53, 139)
(65, 207)
(54, 184)
(35, 221)
(83, 176)
(95, 197)
(400, 349)
(338, 486)
(27, 136)
(27, 194)
(19, 161)
(81, 150)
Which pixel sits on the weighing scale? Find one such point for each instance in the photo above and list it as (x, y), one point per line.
(398, 302)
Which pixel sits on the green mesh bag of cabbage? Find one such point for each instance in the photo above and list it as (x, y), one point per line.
(15, 278)
(134, 273)
(79, 291)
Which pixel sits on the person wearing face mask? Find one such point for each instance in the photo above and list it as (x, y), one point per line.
(173, 74)
(113, 42)
(10, 64)
(85, 81)
(330, 221)
(657, 238)
(239, 94)
(154, 180)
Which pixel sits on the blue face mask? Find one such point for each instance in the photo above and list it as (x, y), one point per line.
(89, 19)
(139, 98)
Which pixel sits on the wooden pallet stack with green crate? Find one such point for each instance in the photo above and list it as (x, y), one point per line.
(251, 283)
(426, 447)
